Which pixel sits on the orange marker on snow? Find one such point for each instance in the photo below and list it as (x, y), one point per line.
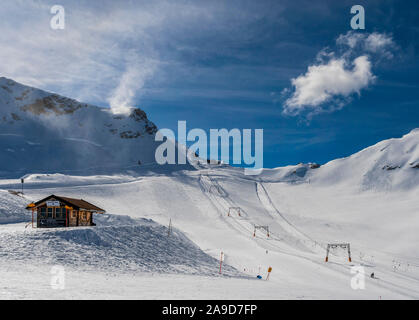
(269, 272)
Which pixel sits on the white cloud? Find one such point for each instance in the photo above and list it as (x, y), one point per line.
(350, 39)
(323, 82)
(377, 43)
(329, 84)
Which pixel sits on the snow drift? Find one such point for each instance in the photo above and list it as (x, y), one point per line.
(12, 208)
(117, 243)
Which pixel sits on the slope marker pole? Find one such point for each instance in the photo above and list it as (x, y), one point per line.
(269, 272)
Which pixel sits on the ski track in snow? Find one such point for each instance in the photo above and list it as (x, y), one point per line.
(125, 246)
(222, 202)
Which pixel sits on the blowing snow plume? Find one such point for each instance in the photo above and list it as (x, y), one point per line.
(132, 81)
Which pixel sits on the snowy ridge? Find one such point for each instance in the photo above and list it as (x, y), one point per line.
(391, 165)
(388, 165)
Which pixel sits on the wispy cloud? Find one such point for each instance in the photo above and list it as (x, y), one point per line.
(110, 52)
(93, 59)
(372, 43)
(337, 75)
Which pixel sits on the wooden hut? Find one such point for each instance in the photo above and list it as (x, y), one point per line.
(56, 211)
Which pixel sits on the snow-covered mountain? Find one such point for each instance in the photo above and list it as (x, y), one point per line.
(388, 165)
(391, 164)
(46, 132)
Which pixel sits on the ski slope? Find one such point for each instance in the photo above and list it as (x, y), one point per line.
(294, 248)
(303, 213)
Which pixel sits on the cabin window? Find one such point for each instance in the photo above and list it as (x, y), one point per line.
(58, 213)
(43, 212)
(49, 213)
(74, 213)
(84, 215)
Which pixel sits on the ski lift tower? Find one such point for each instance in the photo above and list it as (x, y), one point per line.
(234, 209)
(338, 245)
(266, 228)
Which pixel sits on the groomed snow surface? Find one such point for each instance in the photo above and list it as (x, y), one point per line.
(368, 200)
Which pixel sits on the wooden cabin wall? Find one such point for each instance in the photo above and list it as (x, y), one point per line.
(72, 222)
(49, 213)
(84, 218)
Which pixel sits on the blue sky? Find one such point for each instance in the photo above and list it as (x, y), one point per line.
(230, 64)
